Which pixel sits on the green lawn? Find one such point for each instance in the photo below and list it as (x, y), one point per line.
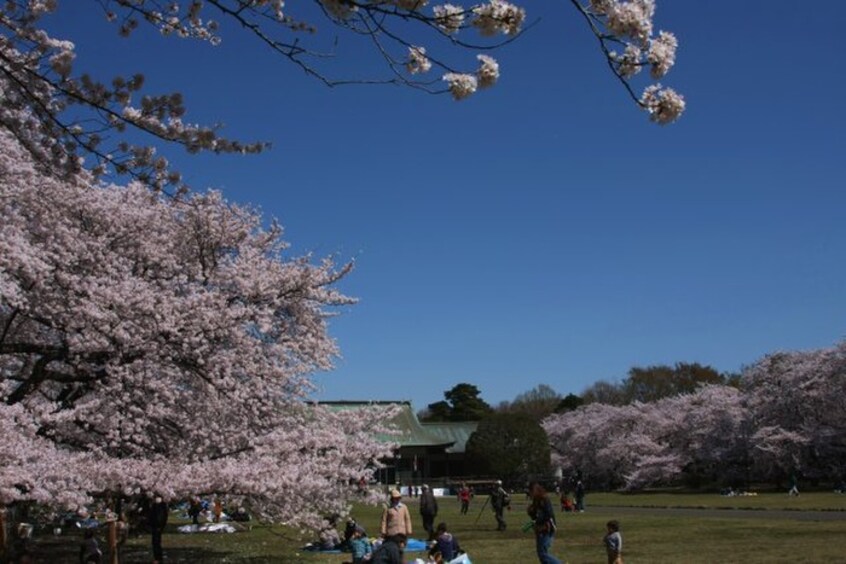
(824, 501)
(652, 536)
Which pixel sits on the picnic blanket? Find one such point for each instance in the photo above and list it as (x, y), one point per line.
(413, 545)
(212, 528)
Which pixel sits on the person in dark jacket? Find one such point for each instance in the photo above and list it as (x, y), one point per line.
(194, 510)
(390, 552)
(446, 543)
(428, 510)
(89, 550)
(157, 519)
(580, 496)
(543, 520)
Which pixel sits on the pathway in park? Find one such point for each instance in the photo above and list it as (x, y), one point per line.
(723, 513)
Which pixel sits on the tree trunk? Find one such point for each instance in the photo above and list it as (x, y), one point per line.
(113, 546)
(3, 553)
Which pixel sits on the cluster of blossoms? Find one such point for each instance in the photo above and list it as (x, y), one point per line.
(631, 22)
(417, 60)
(463, 85)
(498, 16)
(664, 105)
(488, 72)
(449, 17)
(662, 53)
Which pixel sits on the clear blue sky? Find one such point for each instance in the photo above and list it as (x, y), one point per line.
(544, 231)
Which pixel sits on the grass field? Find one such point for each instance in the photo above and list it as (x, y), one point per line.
(650, 535)
(775, 501)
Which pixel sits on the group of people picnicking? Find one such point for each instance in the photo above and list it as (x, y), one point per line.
(396, 527)
(395, 531)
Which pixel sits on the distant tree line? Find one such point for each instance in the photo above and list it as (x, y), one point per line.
(667, 425)
(783, 416)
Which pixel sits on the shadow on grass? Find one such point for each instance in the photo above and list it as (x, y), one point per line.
(60, 550)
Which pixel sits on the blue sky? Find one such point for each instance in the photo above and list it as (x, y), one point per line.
(542, 231)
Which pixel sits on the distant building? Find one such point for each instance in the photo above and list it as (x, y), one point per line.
(432, 453)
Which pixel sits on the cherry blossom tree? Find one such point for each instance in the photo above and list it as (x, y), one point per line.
(153, 344)
(800, 423)
(69, 121)
(645, 444)
(786, 417)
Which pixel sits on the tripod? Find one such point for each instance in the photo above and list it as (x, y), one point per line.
(487, 499)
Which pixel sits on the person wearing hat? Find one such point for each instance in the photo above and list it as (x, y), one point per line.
(360, 545)
(428, 510)
(395, 518)
(500, 500)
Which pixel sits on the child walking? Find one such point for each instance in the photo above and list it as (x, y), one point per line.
(614, 543)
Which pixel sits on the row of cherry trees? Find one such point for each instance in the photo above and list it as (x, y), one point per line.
(787, 416)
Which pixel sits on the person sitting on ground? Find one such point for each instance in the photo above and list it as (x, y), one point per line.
(360, 545)
(446, 543)
(435, 556)
(89, 550)
(240, 515)
(349, 531)
(329, 537)
(567, 503)
(390, 552)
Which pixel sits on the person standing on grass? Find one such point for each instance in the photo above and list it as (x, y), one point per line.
(580, 496)
(543, 520)
(464, 498)
(395, 518)
(794, 485)
(428, 510)
(614, 543)
(194, 510)
(499, 501)
(158, 521)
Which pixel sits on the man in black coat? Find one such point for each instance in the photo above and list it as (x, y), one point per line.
(428, 510)
(157, 519)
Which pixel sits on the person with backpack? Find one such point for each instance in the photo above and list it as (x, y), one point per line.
(543, 521)
(500, 500)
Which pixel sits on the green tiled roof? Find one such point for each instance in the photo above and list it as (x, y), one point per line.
(412, 432)
(457, 432)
